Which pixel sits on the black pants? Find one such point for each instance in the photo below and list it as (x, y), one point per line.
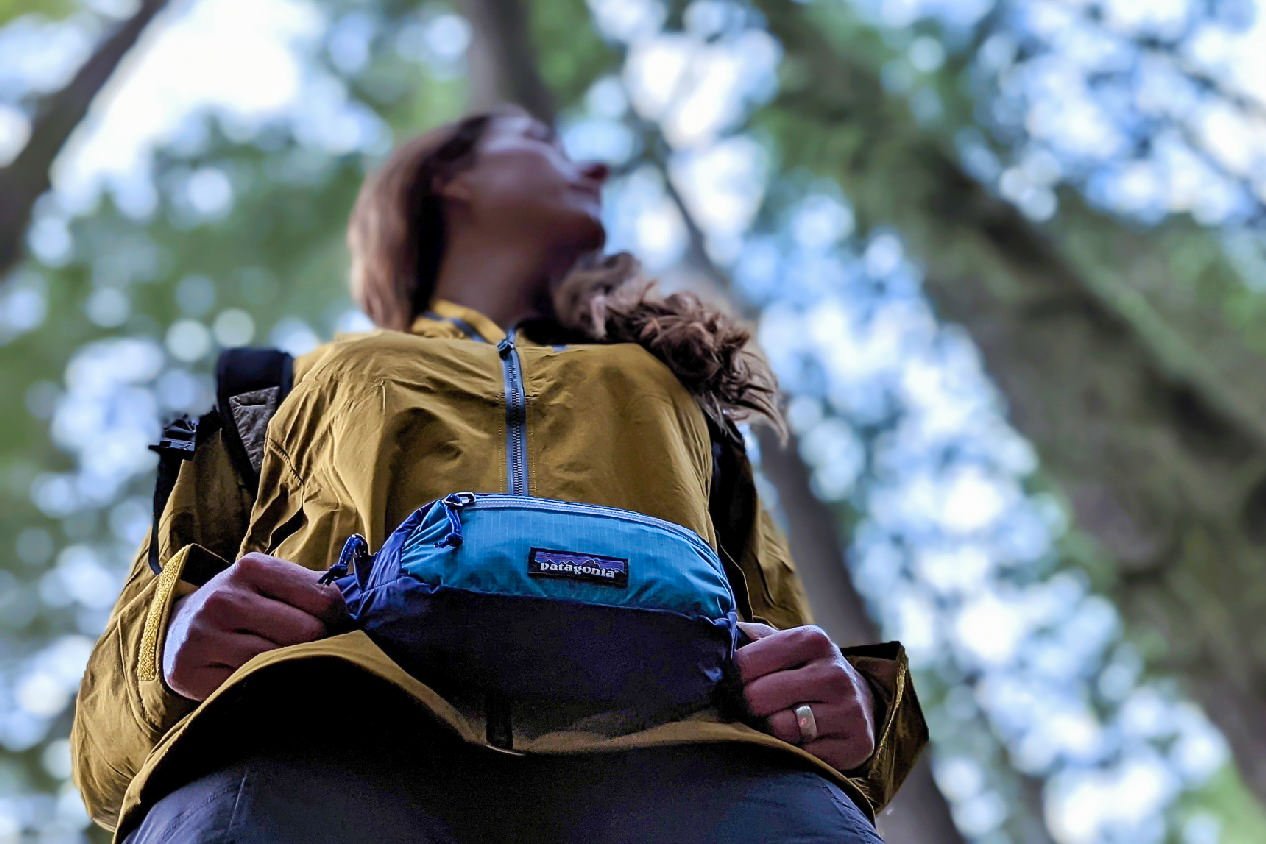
(318, 790)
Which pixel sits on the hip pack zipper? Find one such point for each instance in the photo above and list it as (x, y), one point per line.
(454, 502)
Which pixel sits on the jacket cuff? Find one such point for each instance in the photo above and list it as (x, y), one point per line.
(161, 706)
(901, 732)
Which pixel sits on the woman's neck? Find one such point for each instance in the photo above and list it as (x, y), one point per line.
(505, 282)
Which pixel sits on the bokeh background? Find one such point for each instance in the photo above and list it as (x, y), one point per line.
(1006, 257)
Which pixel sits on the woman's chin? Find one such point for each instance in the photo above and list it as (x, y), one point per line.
(599, 238)
(579, 230)
(589, 234)
(588, 217)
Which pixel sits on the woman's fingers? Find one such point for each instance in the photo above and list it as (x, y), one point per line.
(197, 682)
(276, 621)
(843, 753)
(845, 735)
(291, 584)
(783, 649)
(239, 647)
(832, 720)
(258, 603)
(843, 740)
(755, 629)
(821, 681)
(202, 649)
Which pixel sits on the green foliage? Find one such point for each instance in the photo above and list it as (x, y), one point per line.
(242, 223)
(1225, 797)
(569, 52)
(850, 112)
(49, 9)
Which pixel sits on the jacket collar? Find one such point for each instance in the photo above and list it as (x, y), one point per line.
(541, 330)
(481, 324)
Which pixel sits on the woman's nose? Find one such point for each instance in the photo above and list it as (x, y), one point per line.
(596, 170)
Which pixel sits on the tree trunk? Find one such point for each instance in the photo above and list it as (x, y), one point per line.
(26, 178)
(919, 812)
(502, 58)
(1161, 455)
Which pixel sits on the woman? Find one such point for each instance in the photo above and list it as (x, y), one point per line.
(244, 710)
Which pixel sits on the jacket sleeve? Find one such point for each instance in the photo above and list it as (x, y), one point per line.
(124, 707)
(778, 599)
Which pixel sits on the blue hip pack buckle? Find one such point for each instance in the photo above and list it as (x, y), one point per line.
(546, 600)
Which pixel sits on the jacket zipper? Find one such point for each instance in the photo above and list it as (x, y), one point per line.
(516, 415)
(499, 500)
(499, 729)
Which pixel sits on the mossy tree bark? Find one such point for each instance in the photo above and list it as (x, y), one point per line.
(1139, 384)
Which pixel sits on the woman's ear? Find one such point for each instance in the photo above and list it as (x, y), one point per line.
(456, 187)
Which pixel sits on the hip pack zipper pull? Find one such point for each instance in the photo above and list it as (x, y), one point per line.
(354, 549)
(453, 503)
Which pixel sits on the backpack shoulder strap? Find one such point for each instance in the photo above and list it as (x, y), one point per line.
(181, 437)
(732, 503)
(250, 384)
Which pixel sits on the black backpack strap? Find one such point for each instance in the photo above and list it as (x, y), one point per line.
(250, 384)
(180, 439)
(732, 505)
(732, 502)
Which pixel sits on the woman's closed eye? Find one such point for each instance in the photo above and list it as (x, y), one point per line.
(547, 133)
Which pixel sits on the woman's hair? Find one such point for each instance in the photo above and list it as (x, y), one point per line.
(396, 235)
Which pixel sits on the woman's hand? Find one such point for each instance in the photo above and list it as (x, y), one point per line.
(785, 668)
(256, 604)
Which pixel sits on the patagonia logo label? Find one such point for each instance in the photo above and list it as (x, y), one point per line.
(577, 565)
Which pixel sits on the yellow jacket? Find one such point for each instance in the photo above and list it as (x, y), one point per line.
(377, 424)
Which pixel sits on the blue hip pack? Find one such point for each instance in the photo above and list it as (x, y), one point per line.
(549, 601)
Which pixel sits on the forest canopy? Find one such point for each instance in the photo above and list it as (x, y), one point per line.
(1007, 259)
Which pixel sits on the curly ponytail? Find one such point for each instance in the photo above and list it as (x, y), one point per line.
(709, 351)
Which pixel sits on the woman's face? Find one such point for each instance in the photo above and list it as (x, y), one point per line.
(523, 182)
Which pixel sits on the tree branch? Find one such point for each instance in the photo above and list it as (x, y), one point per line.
(26, 178)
